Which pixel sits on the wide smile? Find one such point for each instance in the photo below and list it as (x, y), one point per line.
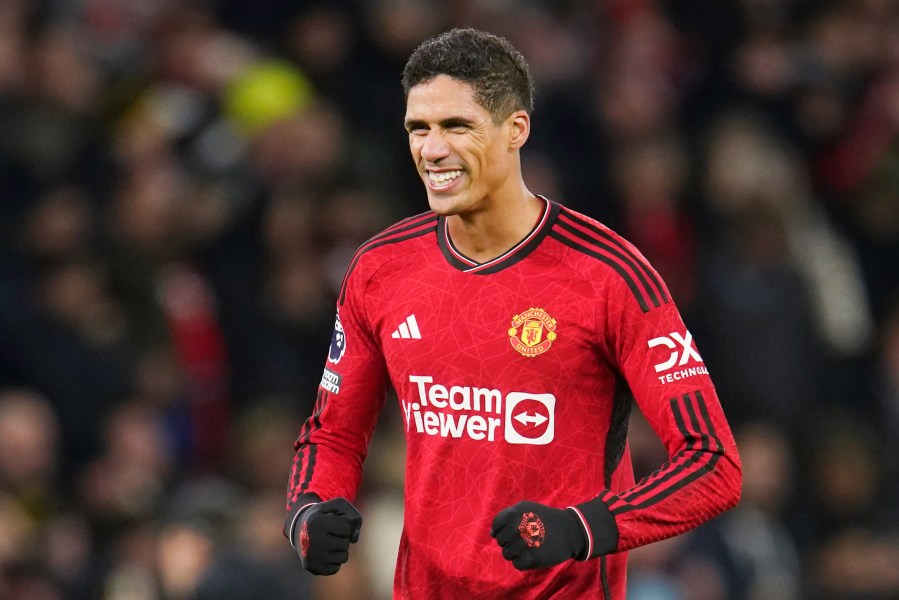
(439, 181)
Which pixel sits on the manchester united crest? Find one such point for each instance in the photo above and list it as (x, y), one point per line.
(532, 332)
(532, 530)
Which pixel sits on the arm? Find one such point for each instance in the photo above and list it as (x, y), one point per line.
(657, 357)
(650, 347)
(333, 442)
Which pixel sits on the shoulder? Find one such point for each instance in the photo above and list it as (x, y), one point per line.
(579, 228)
(401, 238)
(609, 258)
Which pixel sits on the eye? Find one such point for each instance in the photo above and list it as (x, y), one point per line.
(457, 127)
(417, 128)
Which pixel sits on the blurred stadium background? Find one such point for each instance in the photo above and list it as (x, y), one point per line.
(182, 183)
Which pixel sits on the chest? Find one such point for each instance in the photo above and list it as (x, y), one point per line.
(523, 323)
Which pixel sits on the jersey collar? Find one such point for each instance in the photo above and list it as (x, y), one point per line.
(508, 258)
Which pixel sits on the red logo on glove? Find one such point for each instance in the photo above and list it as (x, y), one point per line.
(304, 540)
(532, 530)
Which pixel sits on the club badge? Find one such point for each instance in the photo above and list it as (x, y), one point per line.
(304, 540)
(532, 332)
(532, 530)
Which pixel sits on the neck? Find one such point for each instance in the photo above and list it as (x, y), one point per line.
(487, 234)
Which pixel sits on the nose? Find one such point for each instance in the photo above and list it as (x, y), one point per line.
(434, 147)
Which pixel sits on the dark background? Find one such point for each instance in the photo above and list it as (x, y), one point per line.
(182, 184)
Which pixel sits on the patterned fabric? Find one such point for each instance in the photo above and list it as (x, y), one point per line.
(517, 385)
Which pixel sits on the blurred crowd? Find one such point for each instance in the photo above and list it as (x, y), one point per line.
(183, 182)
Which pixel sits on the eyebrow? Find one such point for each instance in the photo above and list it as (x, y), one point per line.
(444, 123)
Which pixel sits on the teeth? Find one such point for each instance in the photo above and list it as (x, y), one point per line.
(443, 178)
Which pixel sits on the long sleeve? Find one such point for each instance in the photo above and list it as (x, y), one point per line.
(333, 442)
(657, 357)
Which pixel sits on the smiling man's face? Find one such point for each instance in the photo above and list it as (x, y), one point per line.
(462, 155)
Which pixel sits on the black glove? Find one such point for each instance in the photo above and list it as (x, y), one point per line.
(324, 533)
(535, 536)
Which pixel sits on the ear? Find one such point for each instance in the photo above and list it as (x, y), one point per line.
(519, 129)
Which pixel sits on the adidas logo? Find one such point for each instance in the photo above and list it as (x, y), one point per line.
(408, 330)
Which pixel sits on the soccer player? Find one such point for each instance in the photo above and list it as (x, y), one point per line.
(517, 335)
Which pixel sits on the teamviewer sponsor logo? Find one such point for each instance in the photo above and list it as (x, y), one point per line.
(529, 418)
(477, 413)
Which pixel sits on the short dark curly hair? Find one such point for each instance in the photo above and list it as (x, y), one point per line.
(489, 63)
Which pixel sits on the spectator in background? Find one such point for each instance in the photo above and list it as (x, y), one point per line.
(29, 452)
(808, 303)
(45, 545)
(751, 549)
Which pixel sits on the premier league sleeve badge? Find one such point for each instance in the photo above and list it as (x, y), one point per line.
(338, 342)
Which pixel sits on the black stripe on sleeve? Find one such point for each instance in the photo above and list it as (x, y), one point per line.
(310, 451)
(641, 300)
(629, 261)
(404, 230)
(607, 240)
(704, 412)
(699, 461)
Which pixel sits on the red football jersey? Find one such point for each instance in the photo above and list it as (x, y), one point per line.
(515, 379)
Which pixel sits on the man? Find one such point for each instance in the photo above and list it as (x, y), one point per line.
(517, 334)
